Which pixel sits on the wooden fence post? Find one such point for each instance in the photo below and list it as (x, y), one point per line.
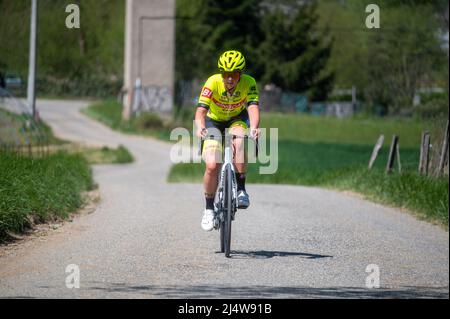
(424, 154)
(390, 162)
(376, 149)
(398, 158)
(444, 152)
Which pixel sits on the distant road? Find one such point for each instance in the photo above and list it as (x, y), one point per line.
(145, 240)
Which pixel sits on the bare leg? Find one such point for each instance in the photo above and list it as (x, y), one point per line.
(239, 149)
(212, 159)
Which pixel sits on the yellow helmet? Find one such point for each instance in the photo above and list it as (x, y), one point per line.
(231, 61)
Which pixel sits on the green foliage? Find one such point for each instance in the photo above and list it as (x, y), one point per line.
(428, 197)
(280, 48)
(106, 155)
(354, 131)
(187, 39)
(408, 52)
(295, 53)
(149, 121)
(344, 22)
(123, 155)
(206, 28)
(341, 166)
(22, 129)
(42, 188)
(110, 113)
(285, 42)
(432, 109)
(388, 65)
(77, 62)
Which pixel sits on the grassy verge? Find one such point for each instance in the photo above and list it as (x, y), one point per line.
(97, 155)
(106, 155)
(40, 189)
(18, 128)
(325, 152)
(334, 153)
(149, 124)
(426, 197)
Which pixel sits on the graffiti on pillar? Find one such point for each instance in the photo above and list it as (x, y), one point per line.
(152, 98)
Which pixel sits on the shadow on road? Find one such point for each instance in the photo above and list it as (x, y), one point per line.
(264, 254)
(215, 291)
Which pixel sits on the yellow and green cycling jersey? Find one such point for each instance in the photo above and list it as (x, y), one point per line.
(221, 106)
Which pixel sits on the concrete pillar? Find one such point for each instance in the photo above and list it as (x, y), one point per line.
(150, 54)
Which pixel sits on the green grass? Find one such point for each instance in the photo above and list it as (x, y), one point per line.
(334, 153)
(110, 114)
(106, 155)
(21, 129)
(325, 152)
(41, 188)
(427, 197)
(344, 167)
(15, 128)
(305, 163)
(360, 131)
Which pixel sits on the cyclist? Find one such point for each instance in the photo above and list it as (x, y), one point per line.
(227, 100)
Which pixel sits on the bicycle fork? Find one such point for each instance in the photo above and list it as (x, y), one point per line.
(219, 216)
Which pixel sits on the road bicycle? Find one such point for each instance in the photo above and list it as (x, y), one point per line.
(225, 204)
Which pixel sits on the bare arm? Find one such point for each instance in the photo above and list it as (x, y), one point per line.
(200, 116)
(253, 114)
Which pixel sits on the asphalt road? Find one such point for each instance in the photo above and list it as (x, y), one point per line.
(144, 240)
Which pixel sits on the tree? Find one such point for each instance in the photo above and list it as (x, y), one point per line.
(281, 41)
(206, 28)
(188, 43)
(404, 53)
(68, 59)
(294, 53)
(348, 58)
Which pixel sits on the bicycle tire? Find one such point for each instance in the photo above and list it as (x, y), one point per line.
(221, 212)
(222, 231)
(228, 211)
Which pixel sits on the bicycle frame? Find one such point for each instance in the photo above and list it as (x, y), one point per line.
(228, 162)
(226, 205)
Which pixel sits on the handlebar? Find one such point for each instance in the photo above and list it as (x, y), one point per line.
(224, 135)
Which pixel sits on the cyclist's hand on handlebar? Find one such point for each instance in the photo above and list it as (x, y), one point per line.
(254, 133)
(201, 132)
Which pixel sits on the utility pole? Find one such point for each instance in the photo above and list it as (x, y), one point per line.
(32, 60)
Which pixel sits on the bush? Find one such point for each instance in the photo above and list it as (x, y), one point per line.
(87, 86)
(433, 108)
(149, 121)
(433, 96)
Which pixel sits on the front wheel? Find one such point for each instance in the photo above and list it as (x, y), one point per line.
(228, 211)
(222, 234)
